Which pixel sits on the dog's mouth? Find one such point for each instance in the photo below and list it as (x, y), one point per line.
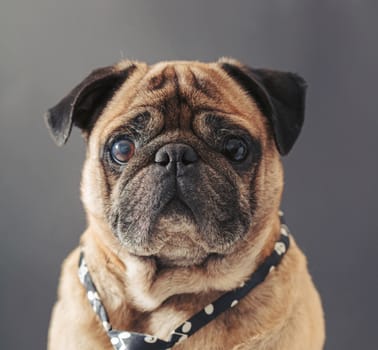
(178, 208)
(174, 237)
(177, 234)
(179, 221)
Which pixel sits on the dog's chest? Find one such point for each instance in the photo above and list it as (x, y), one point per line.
(226, 331)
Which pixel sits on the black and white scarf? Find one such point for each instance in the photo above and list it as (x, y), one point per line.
(125, 340)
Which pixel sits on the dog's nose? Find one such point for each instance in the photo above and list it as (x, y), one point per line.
(177, 155)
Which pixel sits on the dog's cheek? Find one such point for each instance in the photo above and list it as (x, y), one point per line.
(92, 189)
(267, 184)
(133, 207)
(254, 182)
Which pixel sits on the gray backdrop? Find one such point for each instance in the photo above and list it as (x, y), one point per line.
(46, 47)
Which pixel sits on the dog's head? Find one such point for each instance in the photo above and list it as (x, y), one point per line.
(183, 158)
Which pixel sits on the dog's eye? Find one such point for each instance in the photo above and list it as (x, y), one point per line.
(235, 149)
(122, 150)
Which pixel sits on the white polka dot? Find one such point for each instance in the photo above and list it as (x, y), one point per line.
(150, 339)
(90, 295)
(124, 335)
(242, 285)
(280, 213)
(114, 340)
(234, 303)
(106, 325)
(187, 326)
(271, 269)
(284, 230)
(209, 309)
(280, 248)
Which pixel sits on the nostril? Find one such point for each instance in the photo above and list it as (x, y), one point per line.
(189, 156)
(175, 153)
(162, 158)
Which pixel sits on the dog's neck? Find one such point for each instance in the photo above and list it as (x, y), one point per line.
(151, 286)
(136, 340)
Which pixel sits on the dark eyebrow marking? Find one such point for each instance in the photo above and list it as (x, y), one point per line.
(139, 121)
(221, 121)
(217, 125)
(133, 127)
(213, 115)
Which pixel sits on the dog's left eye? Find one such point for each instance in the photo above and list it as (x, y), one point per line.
(122, 150)
(235, 149)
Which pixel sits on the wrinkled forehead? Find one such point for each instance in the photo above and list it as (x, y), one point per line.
(200, 85)
(180, 89)
(185, 77)
(193, 84)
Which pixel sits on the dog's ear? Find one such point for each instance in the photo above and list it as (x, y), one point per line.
(279, 95)
(83, 105)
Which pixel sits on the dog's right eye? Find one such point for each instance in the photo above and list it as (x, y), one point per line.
(235, 149)
(122, 150)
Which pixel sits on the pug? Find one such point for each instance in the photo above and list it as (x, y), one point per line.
(185, 246)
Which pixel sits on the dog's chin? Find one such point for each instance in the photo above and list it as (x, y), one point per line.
(172, 256)
(176, 236)
(175, 252)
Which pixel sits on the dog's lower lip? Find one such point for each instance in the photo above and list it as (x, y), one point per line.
(178, 204)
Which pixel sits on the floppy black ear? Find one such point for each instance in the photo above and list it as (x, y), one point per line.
(280, 96)
(83, 105)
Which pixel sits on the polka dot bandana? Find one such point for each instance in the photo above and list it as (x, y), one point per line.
(123, 340)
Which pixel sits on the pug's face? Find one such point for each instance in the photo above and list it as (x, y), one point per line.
(183, 157)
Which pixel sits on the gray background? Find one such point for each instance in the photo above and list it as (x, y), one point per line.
(46, 47)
